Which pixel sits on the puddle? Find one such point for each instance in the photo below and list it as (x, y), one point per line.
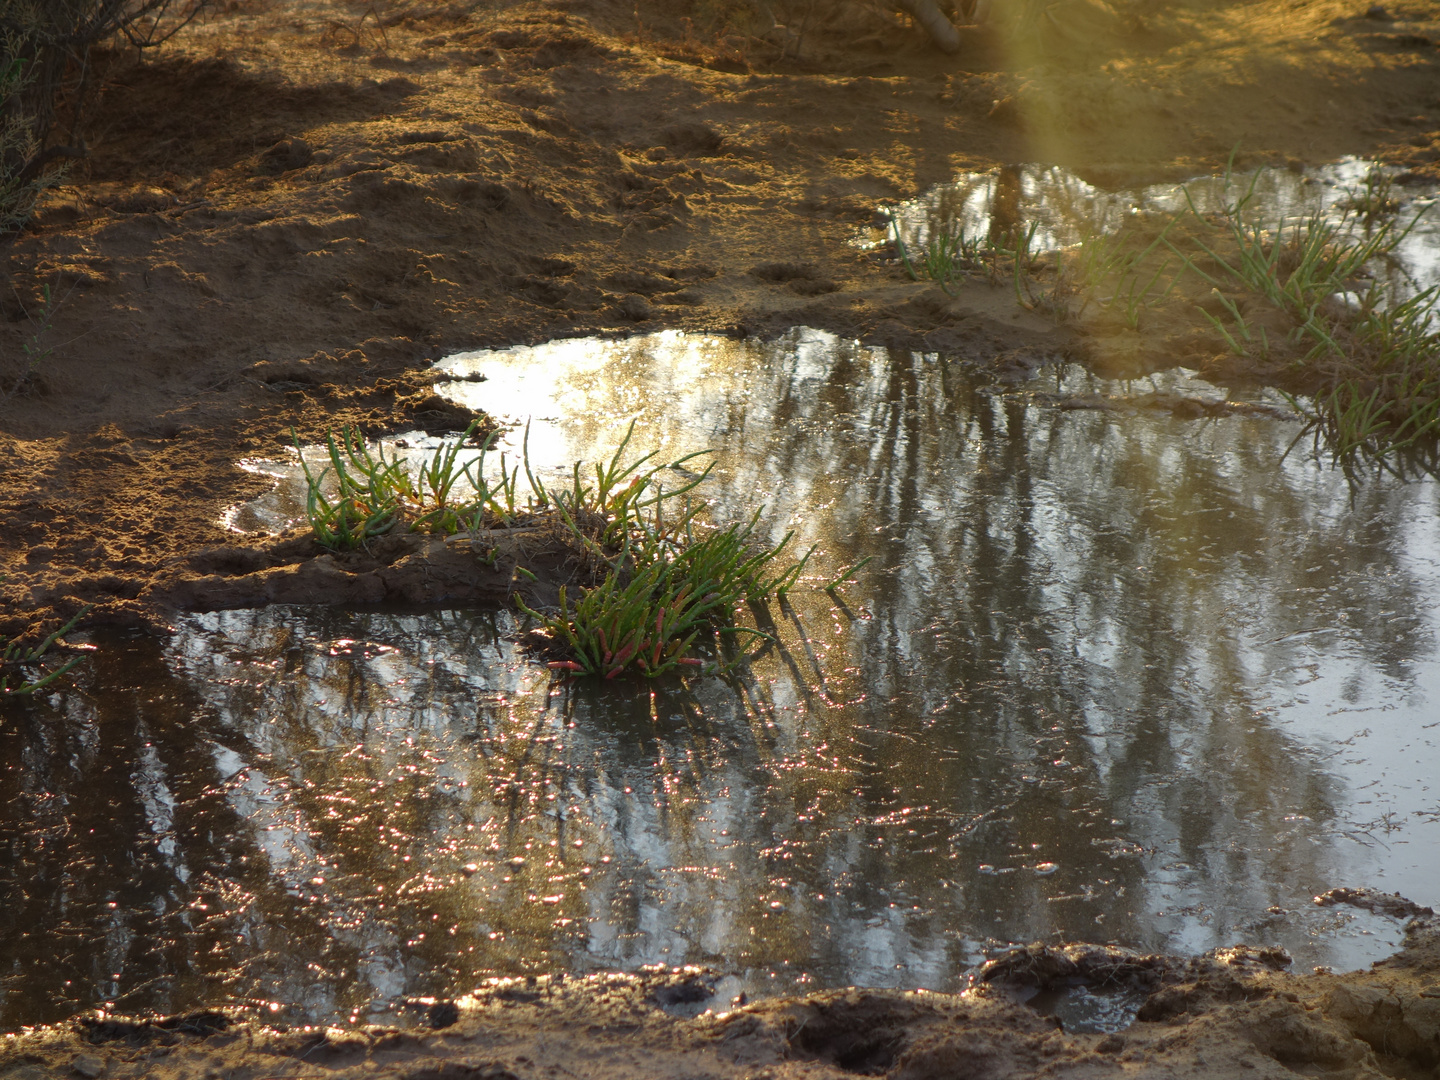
(1065, 208)
(1083, 1010)
(1115, 676)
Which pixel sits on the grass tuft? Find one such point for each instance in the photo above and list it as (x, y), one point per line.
(29, 662)
(662, 580)
(666, 580)
(1371, 358)
(370, 494)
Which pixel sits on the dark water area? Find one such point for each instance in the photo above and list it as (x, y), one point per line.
(1112, 675)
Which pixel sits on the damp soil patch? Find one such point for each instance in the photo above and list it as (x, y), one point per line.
(397, 568)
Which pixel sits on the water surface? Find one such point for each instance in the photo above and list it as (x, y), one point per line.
(1111, 675)
(1064, 209)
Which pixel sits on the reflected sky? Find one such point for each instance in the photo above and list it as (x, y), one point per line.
(1064, 209)
(1111, 675)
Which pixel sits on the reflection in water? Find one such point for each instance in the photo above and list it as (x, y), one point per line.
(1064, 209)
(1111, 676)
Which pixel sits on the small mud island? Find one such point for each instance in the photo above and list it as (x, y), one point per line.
(293, 209)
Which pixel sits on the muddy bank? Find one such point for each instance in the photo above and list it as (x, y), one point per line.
(467, 569)
(1234, 1012)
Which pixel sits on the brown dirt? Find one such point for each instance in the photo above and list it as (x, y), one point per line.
(298, 204)
(1228, 1014)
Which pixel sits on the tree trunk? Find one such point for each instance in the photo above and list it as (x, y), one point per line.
(940, 29)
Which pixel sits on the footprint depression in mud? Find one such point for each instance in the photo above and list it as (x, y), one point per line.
(1125, 666)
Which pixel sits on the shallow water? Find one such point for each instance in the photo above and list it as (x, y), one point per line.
(1112, 676)
(1064, 209)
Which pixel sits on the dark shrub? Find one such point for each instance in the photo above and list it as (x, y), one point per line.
(46, 77)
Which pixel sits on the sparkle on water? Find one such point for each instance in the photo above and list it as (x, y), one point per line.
(1112, 676)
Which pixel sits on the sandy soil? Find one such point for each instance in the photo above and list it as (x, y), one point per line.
(1229, 1014)
(298, 204)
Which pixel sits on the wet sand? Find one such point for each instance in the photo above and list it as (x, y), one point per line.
(1228, 1014)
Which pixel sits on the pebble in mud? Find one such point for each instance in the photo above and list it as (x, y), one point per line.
(88, 1065)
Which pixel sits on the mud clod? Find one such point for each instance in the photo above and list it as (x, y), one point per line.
(1393, 1021)
(689, 988)
(442, 1014)
(635, 308)
(858, 1032)
(693, 138)
(286, 156)
(1392, 904)
(1045, 967)
(453, 1070)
